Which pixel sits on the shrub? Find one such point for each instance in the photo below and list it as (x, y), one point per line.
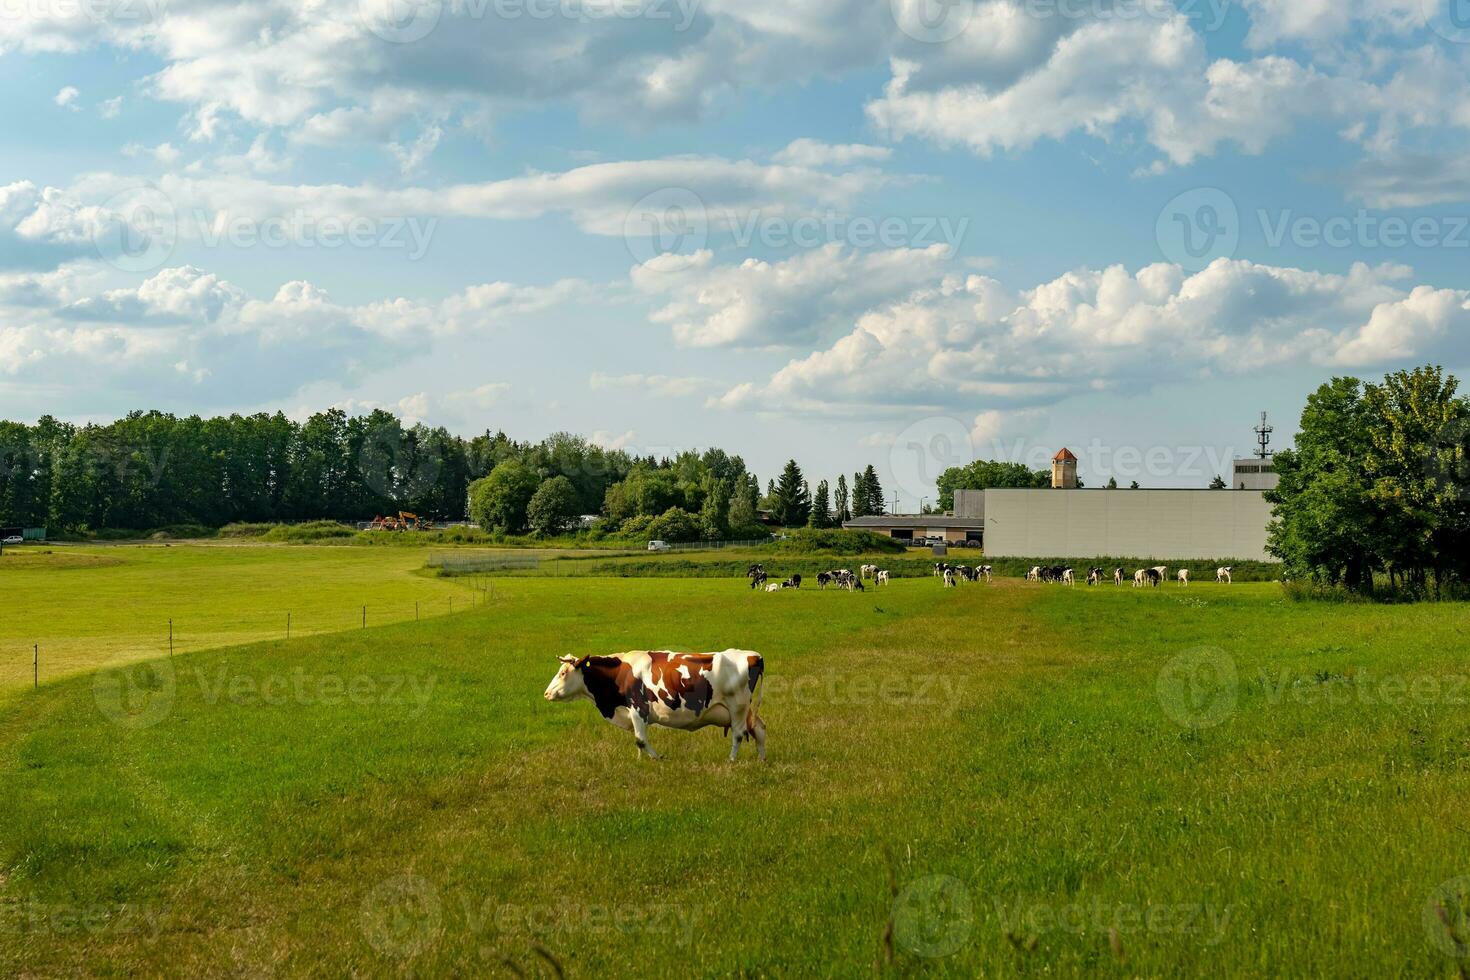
(635, 527)
(310, 531)
(674, 524)
(243, 530)
(838, 541)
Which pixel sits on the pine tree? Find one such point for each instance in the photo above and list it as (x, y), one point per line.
(859, 496)
(821, 507)
(792, 501)
(874, 491)
(1112, 483)
(844, 509)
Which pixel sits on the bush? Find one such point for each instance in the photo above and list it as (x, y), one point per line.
(242, 530)
(310, 531)
(838, 541)
(635, 527)
(674, 524)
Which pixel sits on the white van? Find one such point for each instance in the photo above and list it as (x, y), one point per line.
(658, 546)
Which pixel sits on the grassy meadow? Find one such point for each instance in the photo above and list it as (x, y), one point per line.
(86, 605)
(1003, 780)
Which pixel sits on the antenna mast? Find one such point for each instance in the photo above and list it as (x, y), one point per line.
(1263, 438)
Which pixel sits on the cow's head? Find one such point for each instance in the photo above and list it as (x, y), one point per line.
(568, 682)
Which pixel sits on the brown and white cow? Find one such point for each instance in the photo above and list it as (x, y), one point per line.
(676, 690)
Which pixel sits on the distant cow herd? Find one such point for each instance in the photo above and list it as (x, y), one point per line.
(842, 578)
(952, 575)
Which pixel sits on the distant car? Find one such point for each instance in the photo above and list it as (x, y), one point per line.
(658, 546)
(15, 539)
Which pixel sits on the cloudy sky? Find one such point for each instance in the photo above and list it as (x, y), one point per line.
(851, 231)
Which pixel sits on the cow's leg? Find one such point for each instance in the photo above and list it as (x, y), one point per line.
(758, 732)
(640, 732)
(738, 722)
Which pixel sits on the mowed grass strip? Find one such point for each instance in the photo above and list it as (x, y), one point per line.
(1003, 780)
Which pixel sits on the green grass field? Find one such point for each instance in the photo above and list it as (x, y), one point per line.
(89, 605)
(1014, 780)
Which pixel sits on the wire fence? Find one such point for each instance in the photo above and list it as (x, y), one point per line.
(188, 633)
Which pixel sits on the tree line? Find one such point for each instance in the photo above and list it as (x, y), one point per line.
(154, 470)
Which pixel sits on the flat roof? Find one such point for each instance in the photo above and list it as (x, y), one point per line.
(916, 520)
(1225, 489)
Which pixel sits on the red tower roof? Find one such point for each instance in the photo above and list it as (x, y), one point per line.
(1065, 456)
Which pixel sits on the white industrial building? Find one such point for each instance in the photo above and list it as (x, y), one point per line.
(1067, 522)
(1166, 524)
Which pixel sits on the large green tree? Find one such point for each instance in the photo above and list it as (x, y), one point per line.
(499, 501)
(1416, 460)
(987, 474)
(1326, 525)
(553, 506)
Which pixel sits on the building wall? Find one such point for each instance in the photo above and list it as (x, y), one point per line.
(1172, 524)
(969, 503)
(1254, 474)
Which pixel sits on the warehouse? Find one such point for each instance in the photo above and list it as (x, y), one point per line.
(1166, 524)
(1066, 521)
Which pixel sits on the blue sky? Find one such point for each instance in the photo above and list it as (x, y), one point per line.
(907, 233)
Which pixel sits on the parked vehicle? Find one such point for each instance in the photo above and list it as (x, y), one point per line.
(659, 546)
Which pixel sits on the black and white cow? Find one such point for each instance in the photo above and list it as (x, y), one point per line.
(676, 690)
